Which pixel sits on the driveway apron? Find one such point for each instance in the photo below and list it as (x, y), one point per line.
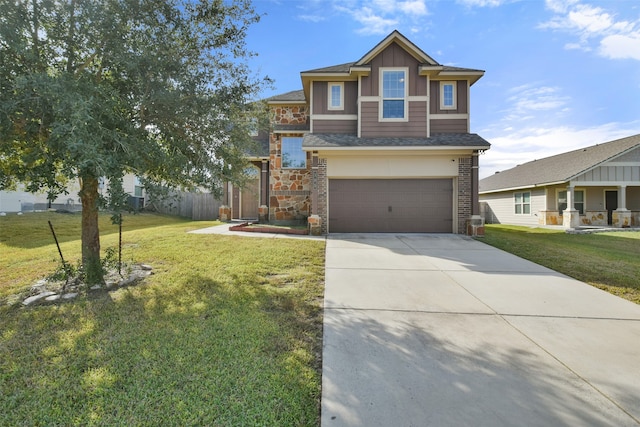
(443, 330)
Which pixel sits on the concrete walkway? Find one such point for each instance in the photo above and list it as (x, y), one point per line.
(223, 229)
(441, 330)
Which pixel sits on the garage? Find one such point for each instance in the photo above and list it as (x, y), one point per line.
(391, 205)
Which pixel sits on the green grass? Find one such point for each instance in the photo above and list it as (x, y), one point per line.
(226, 332)
(609, 261)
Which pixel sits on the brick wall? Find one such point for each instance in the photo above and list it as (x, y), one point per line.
(464, 193)
(320, 185)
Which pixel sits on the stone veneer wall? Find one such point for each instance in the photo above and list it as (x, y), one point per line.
(289, 189)
(464, 193)
(320, 185)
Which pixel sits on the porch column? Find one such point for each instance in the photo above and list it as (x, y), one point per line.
(622, 216)
(570, 216)
(224, 211)
(264, 181)
(475, 225)
(314, 220)
(263, 209)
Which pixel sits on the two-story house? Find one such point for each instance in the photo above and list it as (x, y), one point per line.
(382, 144)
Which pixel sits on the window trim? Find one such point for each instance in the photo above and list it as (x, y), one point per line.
(330, 86)
(454, 105)
(381, 117)
(282, 153)
(521, 203)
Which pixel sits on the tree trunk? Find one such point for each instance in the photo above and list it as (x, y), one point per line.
(91, 264)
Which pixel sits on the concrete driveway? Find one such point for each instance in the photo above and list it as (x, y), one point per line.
(441, 330)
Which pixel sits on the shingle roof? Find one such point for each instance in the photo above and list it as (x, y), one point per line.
(293, 96)
(345, 68)
(340, 68)
(291, 128)
(559, 168)
(441, 140)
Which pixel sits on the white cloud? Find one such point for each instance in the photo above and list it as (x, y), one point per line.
(312, 18)
(510, 149)
(372, 22)
(617, 38)
(535, 97)
(383, 16)
(621, 46)
(484, 3)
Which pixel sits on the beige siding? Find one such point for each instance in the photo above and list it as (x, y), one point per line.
(335, 126)
(416, 127)
(391, 167)
(501, 210)
(320, 99)
(448, 126)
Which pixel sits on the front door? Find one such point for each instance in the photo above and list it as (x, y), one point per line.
(250, 199)
(611, 203)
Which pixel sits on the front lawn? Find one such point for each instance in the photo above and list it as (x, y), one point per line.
(227, 331)
(609, 261)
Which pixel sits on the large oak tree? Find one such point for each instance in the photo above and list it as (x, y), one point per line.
(101, 88)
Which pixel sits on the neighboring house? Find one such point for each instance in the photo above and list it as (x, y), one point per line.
(592, 186)
(22, 201)
(382, 144)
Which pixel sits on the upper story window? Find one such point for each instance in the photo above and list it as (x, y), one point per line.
(522, 203)
(292, 155)
(393, 88)
(447, 95)
(336, 96)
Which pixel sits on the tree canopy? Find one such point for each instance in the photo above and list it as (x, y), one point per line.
(101, 88)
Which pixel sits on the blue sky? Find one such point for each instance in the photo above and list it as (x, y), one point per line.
(560, 74)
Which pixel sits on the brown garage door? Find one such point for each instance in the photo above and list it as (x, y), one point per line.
(390, 205)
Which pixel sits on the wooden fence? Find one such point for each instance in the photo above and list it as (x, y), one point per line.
(197, 206)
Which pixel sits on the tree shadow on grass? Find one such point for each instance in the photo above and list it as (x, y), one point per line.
(201, 353)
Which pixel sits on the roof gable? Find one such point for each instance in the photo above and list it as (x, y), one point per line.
(559, 168)
(402, 41)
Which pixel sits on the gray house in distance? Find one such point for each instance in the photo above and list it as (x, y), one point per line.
(592, 186)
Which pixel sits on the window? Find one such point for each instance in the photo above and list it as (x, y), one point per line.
(394, 94)
(336, 96)
(578, 201)
(292, 155)
(447, 95)
(522, 202)
(253, 127)
(137, 187)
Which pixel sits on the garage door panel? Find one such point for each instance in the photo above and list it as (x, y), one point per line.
(390, 205)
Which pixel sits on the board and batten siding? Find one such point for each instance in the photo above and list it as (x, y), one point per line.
(394, 56)
(501, 210)
(611, 174)
(416, 127)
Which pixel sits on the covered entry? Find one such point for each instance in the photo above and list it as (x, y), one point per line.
(391, 205)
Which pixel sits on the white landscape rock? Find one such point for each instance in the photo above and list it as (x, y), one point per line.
(36, 298)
